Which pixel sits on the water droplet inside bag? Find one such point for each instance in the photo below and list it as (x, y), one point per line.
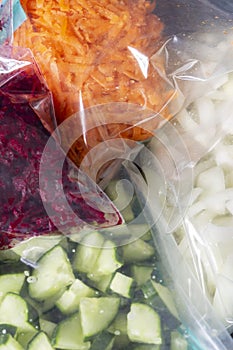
(31, 279)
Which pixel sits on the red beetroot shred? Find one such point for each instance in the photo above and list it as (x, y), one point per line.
(22, 141)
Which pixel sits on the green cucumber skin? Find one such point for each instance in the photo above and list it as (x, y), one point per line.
(114, 335)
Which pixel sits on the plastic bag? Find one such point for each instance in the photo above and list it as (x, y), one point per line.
(185, 180)
(200, 185)
(85, 66)
(41, 191)
(182, 74)
(97, 75)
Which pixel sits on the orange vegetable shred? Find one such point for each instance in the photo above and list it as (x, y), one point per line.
(95, 52)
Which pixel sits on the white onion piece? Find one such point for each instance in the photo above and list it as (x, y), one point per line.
(229, 206)
(226, 270)
(207, 242)
(223, 300)
(215, 234)
(224, 156)
(212, 180)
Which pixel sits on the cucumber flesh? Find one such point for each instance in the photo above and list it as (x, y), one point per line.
(52, 274)
(68, 334)
(88, 252)
(108, 260)
(47, 327)
(137, 251)
(40, 341)
(7, 342)
(166, 297)
(90, 293)
(141, 274)
(8, 314)
(97, 314)
(11, 283)
(122, 285)
(70, 299)
(144, 324)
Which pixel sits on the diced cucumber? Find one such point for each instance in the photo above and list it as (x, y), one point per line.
(137, 251)
(108, 261)
(104, 300)
(47, 326)
(7, 342)
(14, 311)
(159, 302)
(40, 341)
(9, 256)
(68, 334)
(144, 324)
(97, 314)
(32, 249)
(70, 299)
(103, 341)
(24, 338)
(52, 274)
(87, 252)
(166, 297)
(122, 284)
(169, 321)
(11, 283)
(49, 303)
(119, 325)
(141, 273)
(102, 283)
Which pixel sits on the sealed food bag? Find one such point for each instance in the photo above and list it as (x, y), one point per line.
(41, 192)
(184, 176)
(98, 53)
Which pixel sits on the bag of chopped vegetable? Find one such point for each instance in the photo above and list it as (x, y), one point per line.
(185, 179)
(41, 191)
(99, 53)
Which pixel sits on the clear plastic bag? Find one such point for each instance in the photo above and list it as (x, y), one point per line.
(190, 65)
(42, 192)
(96, 75)
(186, 179)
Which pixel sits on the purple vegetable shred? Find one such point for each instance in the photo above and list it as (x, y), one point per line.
(23, 95)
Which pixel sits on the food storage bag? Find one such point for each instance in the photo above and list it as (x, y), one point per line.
(41, 192)
(97, 59)
(186, 173)
(127, 287)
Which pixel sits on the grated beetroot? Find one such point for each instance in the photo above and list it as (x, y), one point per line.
(22, 141)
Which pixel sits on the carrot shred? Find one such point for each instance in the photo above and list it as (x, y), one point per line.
(82, 46)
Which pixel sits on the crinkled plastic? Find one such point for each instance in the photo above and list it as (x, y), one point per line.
(185, 181)
(96, 75)
(193, 58)
(41, 192)
(95, 54)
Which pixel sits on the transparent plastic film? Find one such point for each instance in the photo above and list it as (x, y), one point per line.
(100, 54)
(185, 178)
(42, 192)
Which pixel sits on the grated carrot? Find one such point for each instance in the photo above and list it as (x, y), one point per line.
(82, 46)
